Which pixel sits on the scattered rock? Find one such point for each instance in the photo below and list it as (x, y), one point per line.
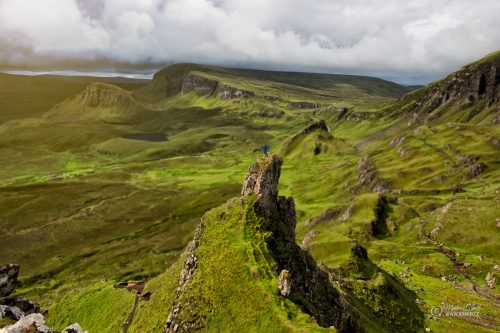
(327, 215)
(21, 309)
(304, 245)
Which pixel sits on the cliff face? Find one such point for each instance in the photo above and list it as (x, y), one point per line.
(206, 87)
(183, 78)
(473, 85)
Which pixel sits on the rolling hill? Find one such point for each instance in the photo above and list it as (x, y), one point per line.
(393, 213)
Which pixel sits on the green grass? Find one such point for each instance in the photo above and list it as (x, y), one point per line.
(80, 204)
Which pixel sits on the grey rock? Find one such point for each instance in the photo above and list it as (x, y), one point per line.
(8, 279)
(12, 312)
(33, 323)
(75, 328)
(262, 180)
(26, 305)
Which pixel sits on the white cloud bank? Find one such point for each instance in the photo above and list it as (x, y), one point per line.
(406, 40)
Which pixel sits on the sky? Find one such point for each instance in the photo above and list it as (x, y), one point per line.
(407, 41)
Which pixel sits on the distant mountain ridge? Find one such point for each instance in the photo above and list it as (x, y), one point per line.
(205, 80)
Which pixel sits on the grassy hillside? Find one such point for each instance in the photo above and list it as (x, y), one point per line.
(23, 96)
(85, 205)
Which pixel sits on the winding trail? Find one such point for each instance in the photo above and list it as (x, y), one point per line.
(131, 316)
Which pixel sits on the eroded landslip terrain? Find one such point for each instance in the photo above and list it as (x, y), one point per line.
(393, 225)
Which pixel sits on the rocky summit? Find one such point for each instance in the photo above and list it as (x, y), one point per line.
(269, 220)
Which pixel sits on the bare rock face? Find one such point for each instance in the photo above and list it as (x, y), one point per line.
(369, 178)
(262, 180)
(203, 86)
(8, 279)
(472, 83)
(301, 280)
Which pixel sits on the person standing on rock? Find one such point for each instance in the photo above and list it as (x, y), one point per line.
(265, 149)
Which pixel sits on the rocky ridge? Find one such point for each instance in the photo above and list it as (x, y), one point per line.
(315, 289)
(476, 82)
(301, 280)
(203, 86)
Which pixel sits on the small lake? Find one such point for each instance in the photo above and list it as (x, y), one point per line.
(152, 137)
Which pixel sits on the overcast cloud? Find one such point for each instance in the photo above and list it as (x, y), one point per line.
(404, 40)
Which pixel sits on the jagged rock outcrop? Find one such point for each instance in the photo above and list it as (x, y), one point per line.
(306, 284)
(203, 86)
(369, 177)
(318, 125)
(262, 180)
(321, 141)
(266, 224)
(174, 322)
(473, 83)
